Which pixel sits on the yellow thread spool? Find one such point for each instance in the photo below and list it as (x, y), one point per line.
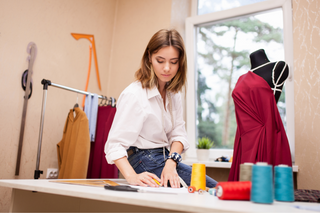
(198, 176)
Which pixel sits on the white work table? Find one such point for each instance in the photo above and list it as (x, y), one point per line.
(43, 195)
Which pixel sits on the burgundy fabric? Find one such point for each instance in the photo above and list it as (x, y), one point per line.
(260, 135)
(98, 166)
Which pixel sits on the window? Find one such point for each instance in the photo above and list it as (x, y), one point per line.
(210, 6)
(220, 43)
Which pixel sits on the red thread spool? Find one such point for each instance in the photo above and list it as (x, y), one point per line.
(234, 190)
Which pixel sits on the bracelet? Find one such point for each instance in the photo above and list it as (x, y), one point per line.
(176, 157)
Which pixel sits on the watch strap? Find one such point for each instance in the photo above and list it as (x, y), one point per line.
(176, 157)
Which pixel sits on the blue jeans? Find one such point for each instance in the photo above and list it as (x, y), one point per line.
(152, 160)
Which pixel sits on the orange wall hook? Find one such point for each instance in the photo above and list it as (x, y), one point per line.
(77, 36)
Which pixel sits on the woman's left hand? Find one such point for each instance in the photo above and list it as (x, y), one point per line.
(169, 173)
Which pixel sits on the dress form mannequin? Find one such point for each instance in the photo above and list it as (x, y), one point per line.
(261, 66)
(260, 135)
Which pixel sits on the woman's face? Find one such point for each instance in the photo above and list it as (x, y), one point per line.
(165, 64)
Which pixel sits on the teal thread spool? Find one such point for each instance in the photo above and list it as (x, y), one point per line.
(262, 183)
(212, 191)
(283, 183)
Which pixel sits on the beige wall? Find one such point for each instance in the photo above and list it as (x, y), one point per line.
(306, 26)
(60, 58)
(121, 29)
(135, 23)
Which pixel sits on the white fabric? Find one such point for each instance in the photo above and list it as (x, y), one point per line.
(91, 110)
(138, 122)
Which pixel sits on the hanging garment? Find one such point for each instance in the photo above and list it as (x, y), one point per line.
(74, 148)
(260, 135)
(98, 166)
(91, 110)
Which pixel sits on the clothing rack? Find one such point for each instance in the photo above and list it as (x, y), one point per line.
(47, 83)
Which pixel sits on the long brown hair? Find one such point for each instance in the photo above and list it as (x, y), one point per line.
(160, 39)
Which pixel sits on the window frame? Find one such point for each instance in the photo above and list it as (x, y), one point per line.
(197, 20)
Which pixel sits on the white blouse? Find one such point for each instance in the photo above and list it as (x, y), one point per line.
(142, 121)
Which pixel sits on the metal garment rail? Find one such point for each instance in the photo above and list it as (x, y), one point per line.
(47, 83)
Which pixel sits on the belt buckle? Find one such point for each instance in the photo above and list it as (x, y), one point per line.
(130, 152)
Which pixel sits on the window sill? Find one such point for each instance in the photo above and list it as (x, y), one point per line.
(212, 164)
(225, 165)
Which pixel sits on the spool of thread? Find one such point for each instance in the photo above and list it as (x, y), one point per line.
(262, 183)
(198, 176)
(212, 191)
(283, 183)
(234, 190)
(245, 171)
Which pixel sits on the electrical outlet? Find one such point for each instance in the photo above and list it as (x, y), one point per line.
(52, 173)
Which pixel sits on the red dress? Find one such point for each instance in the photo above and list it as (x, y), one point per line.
(260, 135)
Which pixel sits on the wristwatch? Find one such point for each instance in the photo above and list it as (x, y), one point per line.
(176, 157)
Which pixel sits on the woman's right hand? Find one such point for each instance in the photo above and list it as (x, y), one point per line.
(143, 179)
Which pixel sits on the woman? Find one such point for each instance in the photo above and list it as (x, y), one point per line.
(149, 118)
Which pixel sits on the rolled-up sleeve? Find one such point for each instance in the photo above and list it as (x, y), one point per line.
(126, 126)
(178, 132)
